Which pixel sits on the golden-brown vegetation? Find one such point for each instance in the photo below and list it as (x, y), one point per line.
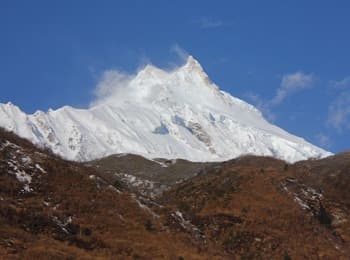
(248, 208)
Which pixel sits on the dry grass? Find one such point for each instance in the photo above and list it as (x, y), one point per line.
(239, 206)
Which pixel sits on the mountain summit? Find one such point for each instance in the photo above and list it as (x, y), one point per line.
(158, 113)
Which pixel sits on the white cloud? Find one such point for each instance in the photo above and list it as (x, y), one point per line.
(339, 108)
(341, 84)
(292, 83)
(210, 23)
(323, 140)
(339, 112)
(207, 23)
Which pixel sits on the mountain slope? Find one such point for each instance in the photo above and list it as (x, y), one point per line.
(147, 177)
(247, 208)
(262, 208)
(55, 209)
(157, 113)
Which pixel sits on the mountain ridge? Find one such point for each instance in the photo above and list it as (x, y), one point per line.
(159, 114)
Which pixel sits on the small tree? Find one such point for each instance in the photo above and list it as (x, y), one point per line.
(286, 256)
(324, 216)
(229, 241)
(118, 184)
(149, 226)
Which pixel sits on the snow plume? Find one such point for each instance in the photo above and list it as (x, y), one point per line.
(180, 52)
(263, 105)
(112, 84)
(116, 86)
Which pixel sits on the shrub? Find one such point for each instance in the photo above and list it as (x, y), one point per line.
(149, 226)
(184, 206)
(286, 256)
(324, 216)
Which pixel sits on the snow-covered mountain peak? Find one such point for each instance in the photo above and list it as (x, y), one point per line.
(187, 84)
(193, 71)
(192, 64)
(189, 74)
(150, 71)
(10, 108)
(159, 113)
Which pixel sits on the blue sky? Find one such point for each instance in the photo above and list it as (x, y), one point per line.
(289, 58)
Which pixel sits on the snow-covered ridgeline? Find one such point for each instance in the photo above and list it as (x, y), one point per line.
(163, 114)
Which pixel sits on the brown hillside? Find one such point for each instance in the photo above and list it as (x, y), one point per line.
(256, 207)
(247, 208)
(69, 213)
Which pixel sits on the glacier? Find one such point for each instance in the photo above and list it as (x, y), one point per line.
(157, 113)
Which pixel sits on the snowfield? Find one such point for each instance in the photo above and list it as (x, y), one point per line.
(159, 114)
